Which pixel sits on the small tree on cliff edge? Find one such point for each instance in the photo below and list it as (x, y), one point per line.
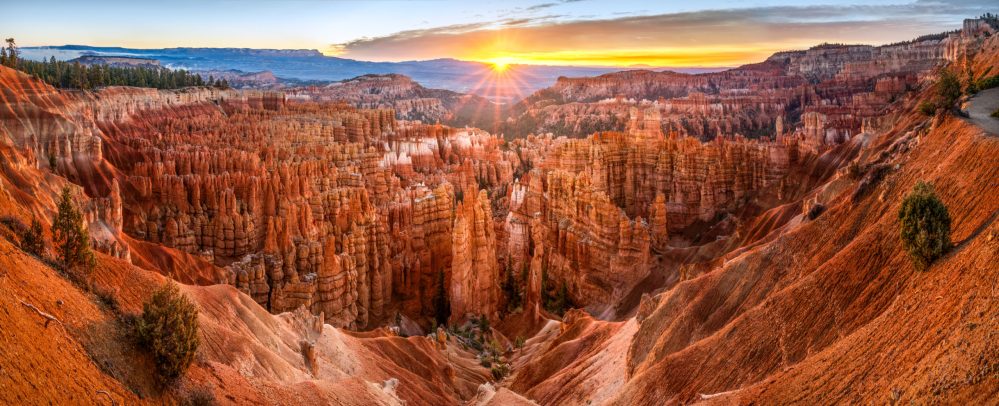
(925, 226)
(948, 89)
(70, 236)
(10, 54)
(33, 241)
(168, 327)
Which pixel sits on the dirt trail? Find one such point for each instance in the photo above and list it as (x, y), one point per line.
(980, 109)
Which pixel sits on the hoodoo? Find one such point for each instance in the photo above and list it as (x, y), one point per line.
(813, 227)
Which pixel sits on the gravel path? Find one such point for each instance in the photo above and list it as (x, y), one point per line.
(981, 106)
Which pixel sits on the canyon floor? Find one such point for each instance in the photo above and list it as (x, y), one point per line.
(634, 238)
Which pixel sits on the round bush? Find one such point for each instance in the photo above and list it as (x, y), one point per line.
(168, 327)
(925, 230)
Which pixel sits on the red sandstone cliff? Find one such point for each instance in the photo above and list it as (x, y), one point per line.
(690, 257)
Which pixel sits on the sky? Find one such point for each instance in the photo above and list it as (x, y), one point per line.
(554, 32)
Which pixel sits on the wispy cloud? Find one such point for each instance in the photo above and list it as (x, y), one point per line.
(717, 37)
(541, 6)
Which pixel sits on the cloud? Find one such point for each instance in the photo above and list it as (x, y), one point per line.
(708, 37)
(518, 21)
(537, 7)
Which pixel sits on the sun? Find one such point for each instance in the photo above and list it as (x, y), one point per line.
(500, 65)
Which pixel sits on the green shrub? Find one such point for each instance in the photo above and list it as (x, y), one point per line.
(168, 327)
(995, 113)
(108, 299)
(855, 171)
(948, 89)
(500, 370)
(928, 108)
(201, 396)
(554, 300)
(988, 83)
(971, 85)
(925, 226)
(29, 238)
(33, 241)
(484, 327)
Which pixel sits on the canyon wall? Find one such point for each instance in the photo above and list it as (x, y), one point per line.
(608, 202)
(342, 200)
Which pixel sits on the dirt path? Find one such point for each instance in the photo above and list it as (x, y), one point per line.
(981, 106)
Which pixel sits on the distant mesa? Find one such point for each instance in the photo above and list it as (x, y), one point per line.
(303, 53)
(240, 79)
(117, 61)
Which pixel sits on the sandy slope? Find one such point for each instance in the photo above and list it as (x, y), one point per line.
(246, 354)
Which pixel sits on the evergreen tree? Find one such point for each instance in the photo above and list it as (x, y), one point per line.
(169, 328)
(70, 236)
(925, 226)
(74, 75)
(510, 288)
(33, 241)
(484, 327)
(948, 89)
(11, 53)
(562, 301)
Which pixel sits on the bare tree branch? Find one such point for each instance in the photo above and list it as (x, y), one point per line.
(48, 317)
(105, 393)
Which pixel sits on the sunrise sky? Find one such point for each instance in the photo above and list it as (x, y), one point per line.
(567, 32)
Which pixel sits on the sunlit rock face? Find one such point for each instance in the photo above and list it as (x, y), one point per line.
(474, 287)
(606, 202)
(664, 156)
(343, 199)
(743, 222)
(344, 211)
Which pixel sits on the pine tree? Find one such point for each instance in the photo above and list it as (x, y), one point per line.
(948, 89)
(11, 53)
(562, 301)
(510, 288)
(70, 236)
(33, 241)
(545, 296)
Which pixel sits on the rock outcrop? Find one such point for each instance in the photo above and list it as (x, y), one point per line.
(475, 275)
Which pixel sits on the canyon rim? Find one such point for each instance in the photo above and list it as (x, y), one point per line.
(564, 203)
